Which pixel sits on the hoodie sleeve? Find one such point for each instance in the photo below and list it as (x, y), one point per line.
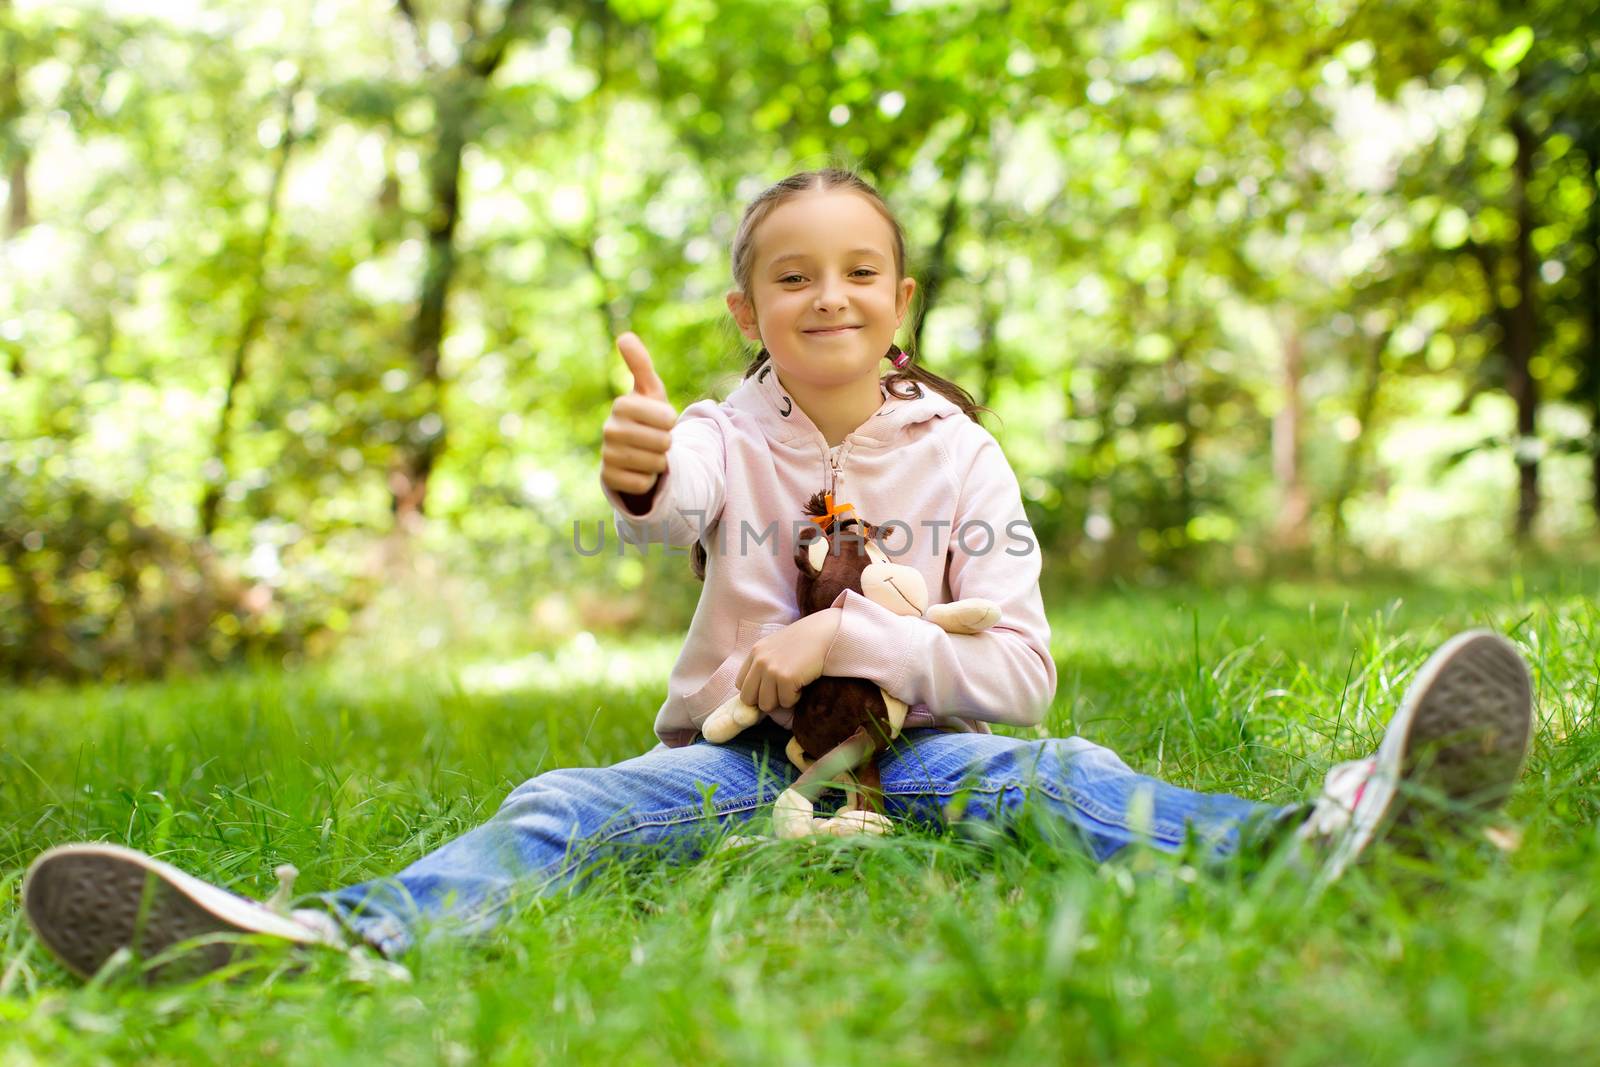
(1004, 674)
(688, 496)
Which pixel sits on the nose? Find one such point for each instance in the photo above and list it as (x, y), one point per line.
(831, 295)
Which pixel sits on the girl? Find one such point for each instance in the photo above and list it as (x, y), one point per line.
(821, 286)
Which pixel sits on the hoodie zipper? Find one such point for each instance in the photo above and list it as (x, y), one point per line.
(835, 458)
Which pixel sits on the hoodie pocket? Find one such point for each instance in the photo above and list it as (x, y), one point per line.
(719, 687)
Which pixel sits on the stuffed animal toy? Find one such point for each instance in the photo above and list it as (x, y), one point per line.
(842, 724)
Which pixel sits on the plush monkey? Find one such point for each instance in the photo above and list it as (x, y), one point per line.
(842, 724)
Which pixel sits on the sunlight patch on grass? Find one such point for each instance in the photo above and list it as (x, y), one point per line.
(582, 661)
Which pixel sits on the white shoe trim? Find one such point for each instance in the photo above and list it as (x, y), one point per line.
(1499, 707)
(86, 869)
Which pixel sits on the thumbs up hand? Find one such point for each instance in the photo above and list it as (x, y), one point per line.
(634, 441)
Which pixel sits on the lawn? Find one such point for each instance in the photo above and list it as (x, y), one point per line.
(915, 949)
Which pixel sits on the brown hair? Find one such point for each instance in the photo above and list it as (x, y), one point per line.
(906, 384)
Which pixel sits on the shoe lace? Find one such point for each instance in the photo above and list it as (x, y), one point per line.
(279, 901)
(1341, 792)
(321, 923)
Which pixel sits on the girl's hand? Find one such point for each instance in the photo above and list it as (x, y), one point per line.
(633, 452)
(781, 663)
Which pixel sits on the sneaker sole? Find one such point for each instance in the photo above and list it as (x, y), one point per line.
(1470, 723)
(1462, 734)
(85, 902)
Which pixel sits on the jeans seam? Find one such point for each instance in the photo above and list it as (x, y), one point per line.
(676, 816)
(568, 863)
(1163, 829)
(1160, 828)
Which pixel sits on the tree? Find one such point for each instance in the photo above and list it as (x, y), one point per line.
(456, 89)
(1519, 59)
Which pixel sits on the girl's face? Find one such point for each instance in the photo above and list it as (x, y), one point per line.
(824, 298)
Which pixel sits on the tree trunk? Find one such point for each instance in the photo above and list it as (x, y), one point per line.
(1590, 380)
(938, 269)
(456, 103)
(41, 631)
(612, 320)
(1522, 337)
(408, 478)
(988, 309)
(1179, 374)
(1350, 475)
(255, 315)
(1294, 504)
(389, 220)
(1594, 464)
(988, 350)
(605, 307)
(18, 213)
(1519, 327)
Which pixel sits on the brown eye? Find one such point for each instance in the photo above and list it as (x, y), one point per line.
(875, 554)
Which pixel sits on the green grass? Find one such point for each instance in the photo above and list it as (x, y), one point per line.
(916, 949)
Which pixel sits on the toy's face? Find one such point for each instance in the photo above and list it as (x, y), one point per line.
(845, 555)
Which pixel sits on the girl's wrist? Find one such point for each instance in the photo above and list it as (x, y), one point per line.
(640, 503)
(825, 622)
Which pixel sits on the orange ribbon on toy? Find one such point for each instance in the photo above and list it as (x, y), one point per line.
(833, 512)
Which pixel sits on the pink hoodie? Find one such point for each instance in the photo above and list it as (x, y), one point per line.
(739, 473)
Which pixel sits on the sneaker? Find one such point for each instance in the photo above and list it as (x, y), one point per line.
(86, 902)
(1455, 748)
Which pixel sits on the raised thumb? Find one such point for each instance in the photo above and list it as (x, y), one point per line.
(645, 380)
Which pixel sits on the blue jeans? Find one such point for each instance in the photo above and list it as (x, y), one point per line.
(552, 828)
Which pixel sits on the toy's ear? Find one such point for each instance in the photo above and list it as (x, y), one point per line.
(811, 553)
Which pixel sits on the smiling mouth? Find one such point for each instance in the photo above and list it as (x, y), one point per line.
(831, 331)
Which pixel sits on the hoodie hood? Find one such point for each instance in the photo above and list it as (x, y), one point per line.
(763, 396)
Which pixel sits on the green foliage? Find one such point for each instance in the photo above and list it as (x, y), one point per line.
(90, 587)
(1248, 285)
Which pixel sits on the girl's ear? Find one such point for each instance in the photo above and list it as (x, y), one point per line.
(744, 313)
(903, 299)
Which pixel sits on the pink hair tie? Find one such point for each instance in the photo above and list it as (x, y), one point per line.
(898, 358)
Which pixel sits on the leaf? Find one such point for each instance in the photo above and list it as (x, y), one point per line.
(1509, 49)
(1460, 456)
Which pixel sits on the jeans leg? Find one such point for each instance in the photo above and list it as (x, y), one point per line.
(1095, 792)
(550, 829)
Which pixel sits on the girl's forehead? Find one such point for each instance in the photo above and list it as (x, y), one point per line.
(821, 223)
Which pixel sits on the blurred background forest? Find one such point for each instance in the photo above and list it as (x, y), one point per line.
(307, 306)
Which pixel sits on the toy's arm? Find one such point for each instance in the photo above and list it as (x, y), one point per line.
(729, 720)
(970, 616)
(902, 590)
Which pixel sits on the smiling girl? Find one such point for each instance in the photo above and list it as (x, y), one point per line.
(819, 266)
